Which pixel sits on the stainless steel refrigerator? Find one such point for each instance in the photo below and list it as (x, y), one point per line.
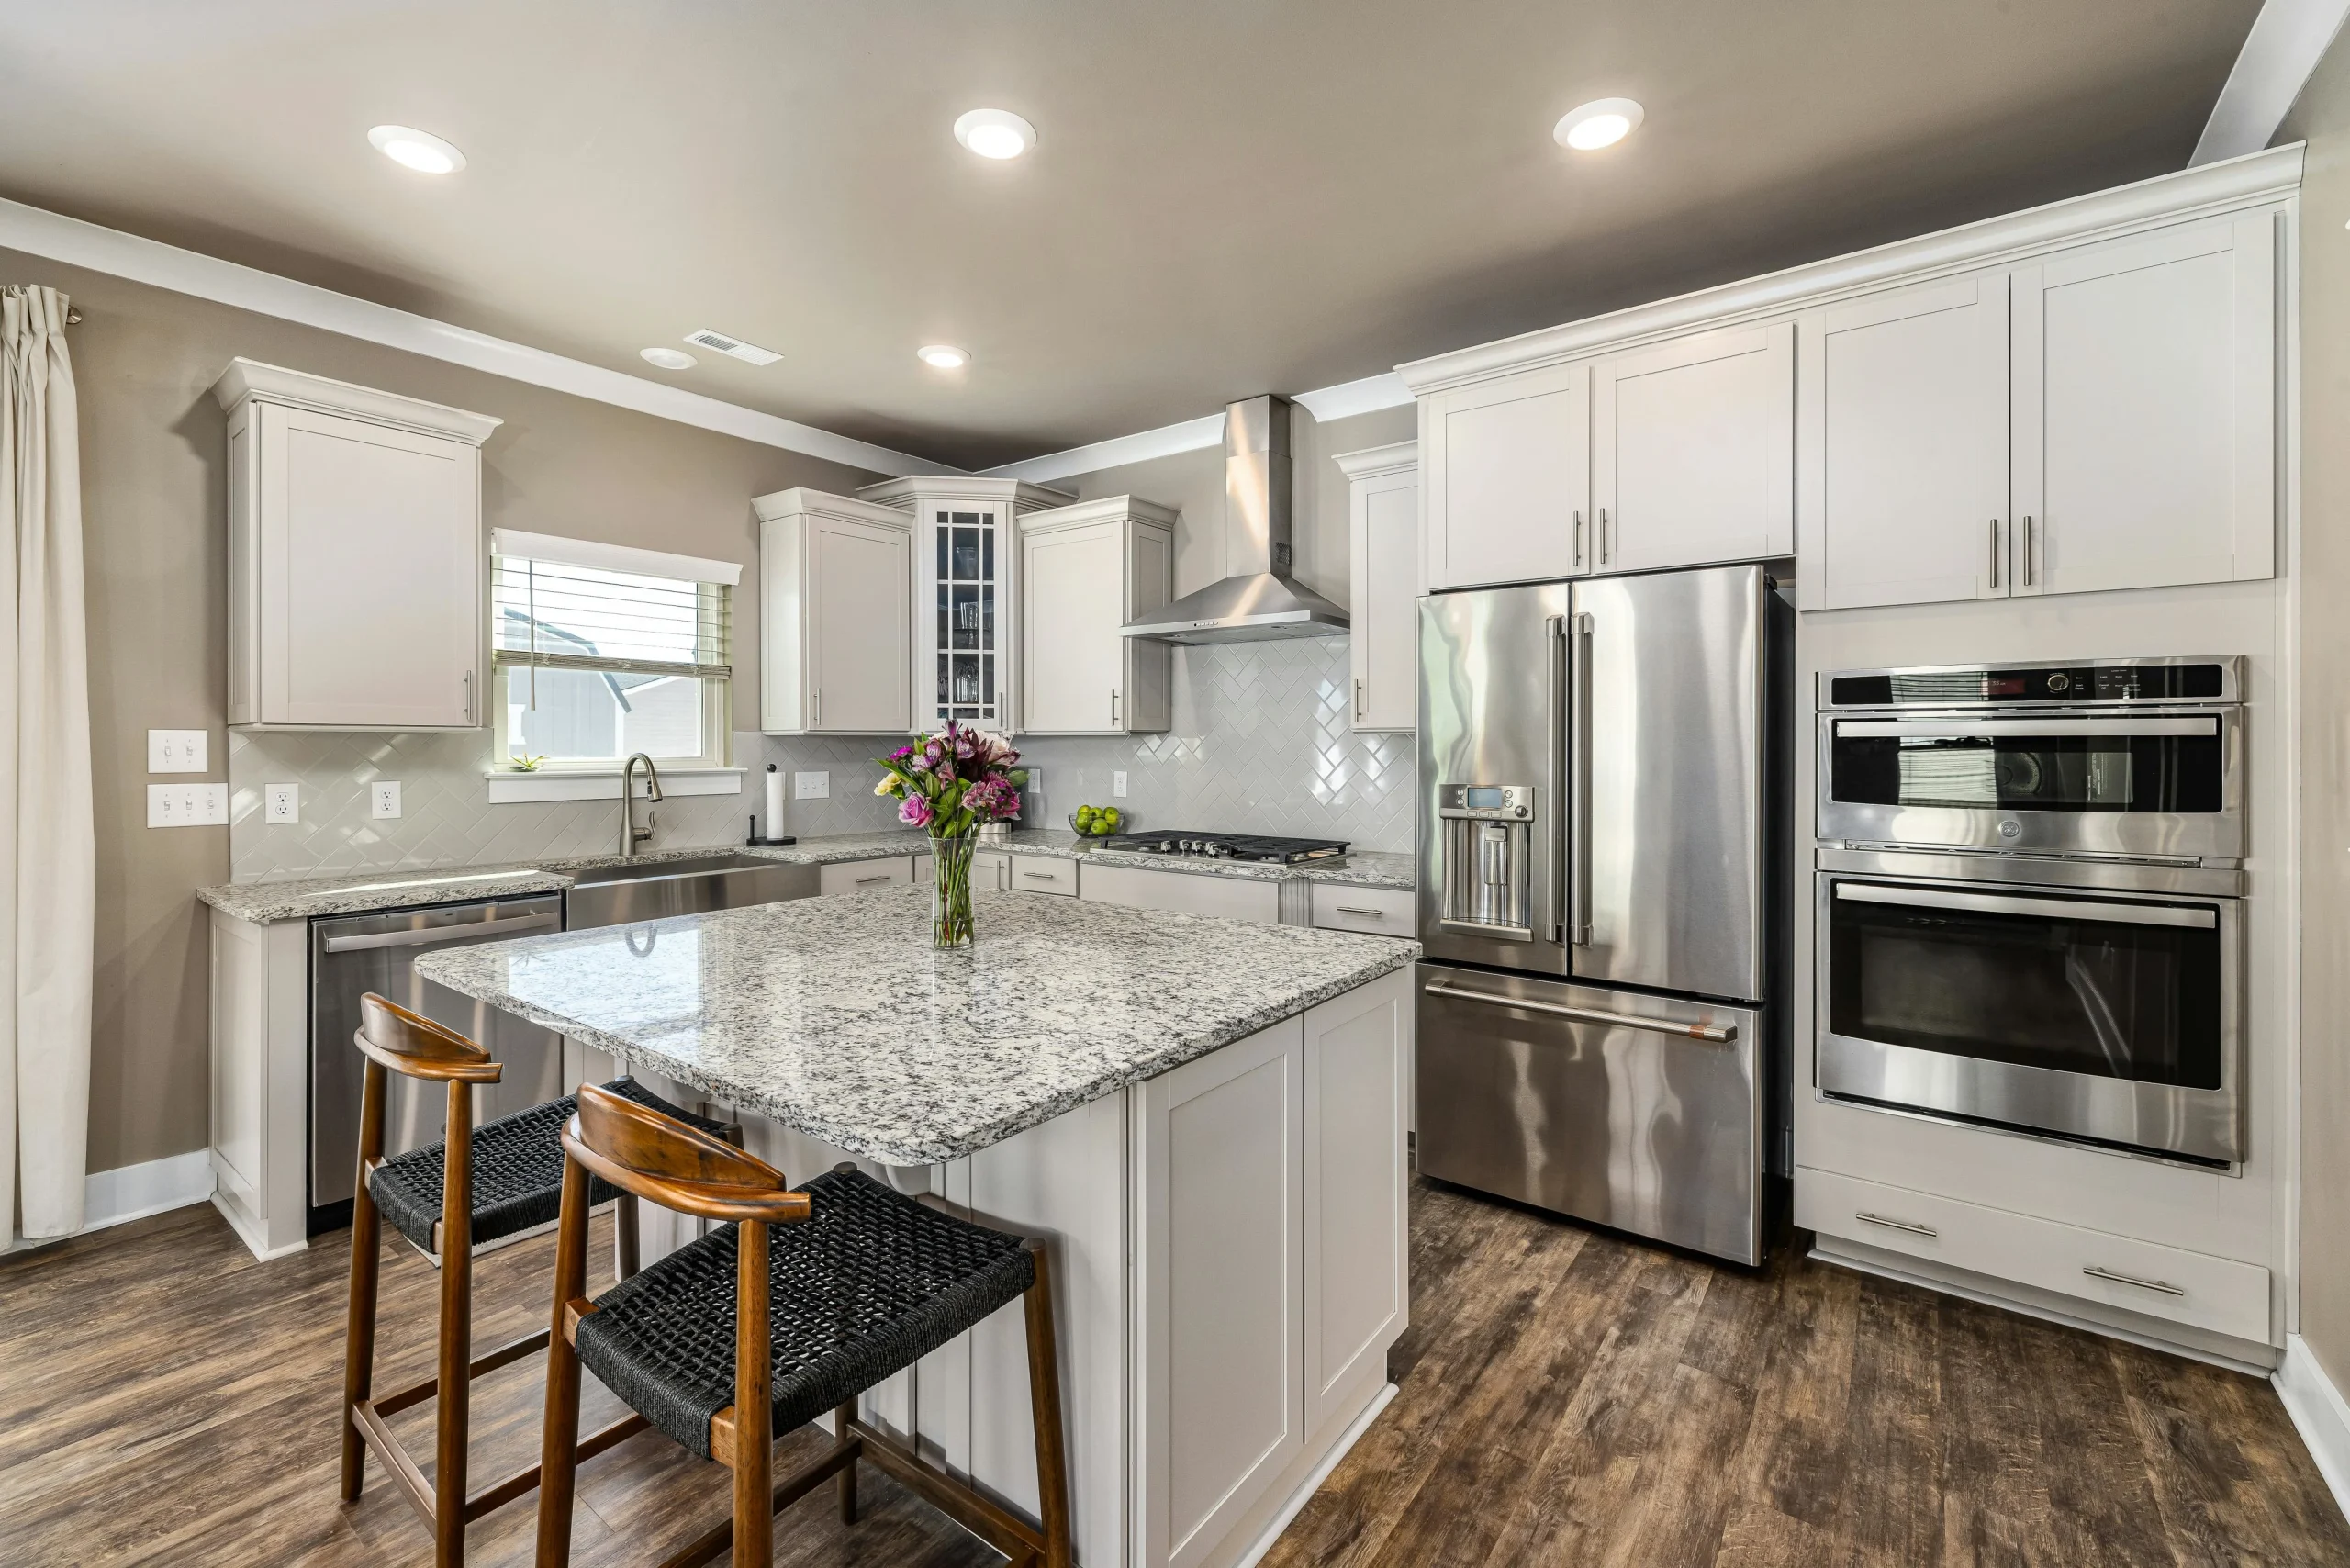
(1601, 873)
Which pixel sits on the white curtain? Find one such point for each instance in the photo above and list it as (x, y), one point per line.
(48, 842)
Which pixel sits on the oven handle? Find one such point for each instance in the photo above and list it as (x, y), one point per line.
(1712, 1034)
(1994, 728)
(2001, 903)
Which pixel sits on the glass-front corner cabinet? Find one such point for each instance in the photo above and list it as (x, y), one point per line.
(965, 556)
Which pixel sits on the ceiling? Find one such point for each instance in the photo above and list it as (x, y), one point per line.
(1226, 197)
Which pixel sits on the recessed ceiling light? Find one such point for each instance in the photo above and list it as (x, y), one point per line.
(1603, 123)
(418, 149)
(667, 359)
(995, 133)
(941, 356)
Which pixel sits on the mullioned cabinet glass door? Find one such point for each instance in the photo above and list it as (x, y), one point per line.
(967, 679)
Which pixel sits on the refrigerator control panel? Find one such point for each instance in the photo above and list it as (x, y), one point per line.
(1490, 802)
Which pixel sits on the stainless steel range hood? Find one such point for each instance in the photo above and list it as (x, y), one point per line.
(1259, 601)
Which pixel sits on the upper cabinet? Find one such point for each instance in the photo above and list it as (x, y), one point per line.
(1507, 461)
(356, 562)
(2081, 396)
(833, 615)
(1383, 577)
(964, 586)
(1085, 571)
(1692, 449)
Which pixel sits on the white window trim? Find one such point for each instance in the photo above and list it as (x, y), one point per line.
(509, 788)
(626, 558)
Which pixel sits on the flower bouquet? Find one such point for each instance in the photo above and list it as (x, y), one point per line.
(953, 781)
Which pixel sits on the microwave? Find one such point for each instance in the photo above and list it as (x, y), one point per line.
(2136, 758)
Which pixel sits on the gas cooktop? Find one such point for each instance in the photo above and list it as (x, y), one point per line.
(1225, 845)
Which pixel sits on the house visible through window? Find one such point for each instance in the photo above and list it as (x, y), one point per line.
(602, 652)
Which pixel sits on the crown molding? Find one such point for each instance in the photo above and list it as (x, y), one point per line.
(800, 502)
(1378, 462)
(39, 232)
(1344, 402)
(2165, 199)
(913, 489)
(2287, 38)
(248, 379)
(1105, 509)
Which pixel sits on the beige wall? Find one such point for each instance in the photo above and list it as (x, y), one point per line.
(2323, 118)
(154, 499)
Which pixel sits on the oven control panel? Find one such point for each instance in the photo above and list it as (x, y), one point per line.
(2094, 682)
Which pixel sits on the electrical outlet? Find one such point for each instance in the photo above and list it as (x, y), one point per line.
(1118, 784)
(281, 802)
(383, 799)
(812, 786)
(179, 751)
(188, 805)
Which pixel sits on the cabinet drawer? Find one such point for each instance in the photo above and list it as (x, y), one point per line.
(2217, 1294)
(1384, 912)
(863, 876)
(1044, 874)
(990, 870)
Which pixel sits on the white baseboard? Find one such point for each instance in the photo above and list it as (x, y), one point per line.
(2320, 1414)
(1312, 1482)
(134, 1191)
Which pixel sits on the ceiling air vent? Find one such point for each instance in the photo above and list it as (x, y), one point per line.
(750, 353)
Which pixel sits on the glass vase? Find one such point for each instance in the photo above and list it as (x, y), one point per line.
(950, 899)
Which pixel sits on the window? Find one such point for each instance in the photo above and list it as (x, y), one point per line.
(601, 652)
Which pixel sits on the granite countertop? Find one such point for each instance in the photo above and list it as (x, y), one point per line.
(836, 1017)
(367, 892)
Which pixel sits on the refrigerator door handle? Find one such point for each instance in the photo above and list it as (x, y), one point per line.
(1554, 863)
(1712, 1034)
(1575, 820)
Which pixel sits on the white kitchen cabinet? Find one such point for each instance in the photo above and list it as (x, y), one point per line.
(356, 562)
(834, 613)
(1385, 569)
(1902, 455)
(2145, 410)
(1693, 446)
(865, 876)
(1219, 1290)
(1085, 571)
(1383, 912)
(964, 580)
(260, 1080)
(990, 870)
(1357, 1078)
(1044, 874)
(1506, 493)
(1185, 892)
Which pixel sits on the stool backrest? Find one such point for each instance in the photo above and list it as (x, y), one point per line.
(643, 1152)
(415, 1046)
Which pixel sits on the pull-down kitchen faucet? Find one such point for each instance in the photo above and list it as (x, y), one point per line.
(631, 834)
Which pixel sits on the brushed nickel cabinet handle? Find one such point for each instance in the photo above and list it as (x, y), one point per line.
(1366, 913)
(469, 699)
(1604, 536)
(868, 881)
(1995, 552)
(1867, 1218)
(1042, 875)
(1578, 540)
(2026, 552)
(2164, 1286)
(1357, 698)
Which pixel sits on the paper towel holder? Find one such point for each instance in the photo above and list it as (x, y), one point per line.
(756, 842)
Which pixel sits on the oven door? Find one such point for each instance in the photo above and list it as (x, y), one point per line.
(2111, 1017)
(2167, 784)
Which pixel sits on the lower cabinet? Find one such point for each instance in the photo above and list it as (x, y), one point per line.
(260, 1031)
(1383, 912)
(1236, 898)
(863, 876)
(990, 870)
(1042, 874)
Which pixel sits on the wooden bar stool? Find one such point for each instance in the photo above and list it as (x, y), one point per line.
(448, 1198)
(805, 1300)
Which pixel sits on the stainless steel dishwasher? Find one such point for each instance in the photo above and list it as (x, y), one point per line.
(353, 956)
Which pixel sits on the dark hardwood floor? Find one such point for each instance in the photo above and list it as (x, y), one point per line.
(1567, 1397)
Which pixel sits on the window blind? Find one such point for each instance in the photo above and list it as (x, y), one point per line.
(558, 615)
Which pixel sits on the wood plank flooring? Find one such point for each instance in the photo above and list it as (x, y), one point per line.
(1567, 1397)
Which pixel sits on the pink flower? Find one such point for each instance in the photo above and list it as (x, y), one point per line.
(916, 812)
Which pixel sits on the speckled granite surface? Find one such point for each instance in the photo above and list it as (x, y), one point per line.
(836, 1017)
(366, 893)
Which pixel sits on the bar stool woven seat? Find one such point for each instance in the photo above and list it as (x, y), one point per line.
(869, 1283)
(517, 1171)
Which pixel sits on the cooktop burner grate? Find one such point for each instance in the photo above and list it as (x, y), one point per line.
(1226, 845)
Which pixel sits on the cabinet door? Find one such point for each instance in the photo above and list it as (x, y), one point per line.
(371, 565)
(1184, 892)
(2144, 411)
(1358, 1050)
(961, 567)
(1072, 601)
(1509, 475)
(1693, 450)
(858, 631)
(1902, 486)
(1383, 569)
(1218, 1291)
(865, 876)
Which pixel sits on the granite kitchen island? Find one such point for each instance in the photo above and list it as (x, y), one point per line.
(1205, 1117)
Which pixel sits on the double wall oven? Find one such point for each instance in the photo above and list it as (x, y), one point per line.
(2030, 899)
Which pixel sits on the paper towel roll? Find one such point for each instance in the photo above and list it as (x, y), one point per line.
(772, 827)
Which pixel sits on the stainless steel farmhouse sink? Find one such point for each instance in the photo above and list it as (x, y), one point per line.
(654, 890)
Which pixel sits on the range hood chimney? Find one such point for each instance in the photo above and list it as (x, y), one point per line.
(1259, 601)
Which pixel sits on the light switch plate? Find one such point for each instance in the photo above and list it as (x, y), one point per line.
(179, 751)
(383, 799)
(1118, 784)
(281, 802)
(812, 786)
(188, 805)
